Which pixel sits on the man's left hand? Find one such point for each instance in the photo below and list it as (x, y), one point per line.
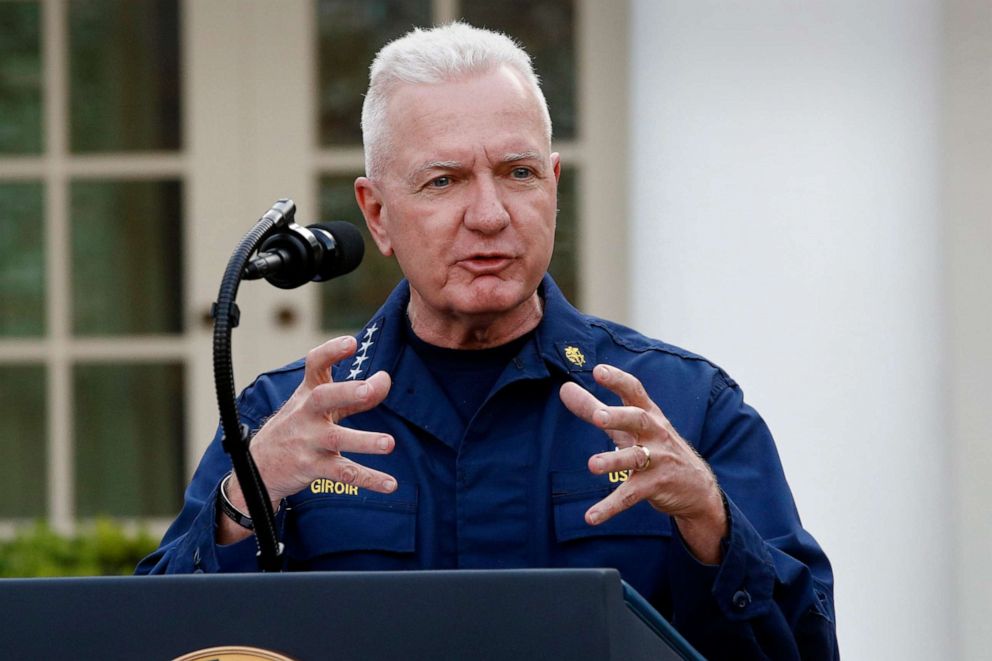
(664, 469)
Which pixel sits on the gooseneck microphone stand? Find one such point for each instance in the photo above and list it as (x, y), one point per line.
(237, 436)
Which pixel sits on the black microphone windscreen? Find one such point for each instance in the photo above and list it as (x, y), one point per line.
(349, 248)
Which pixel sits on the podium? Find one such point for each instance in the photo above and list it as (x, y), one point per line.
(445, 615)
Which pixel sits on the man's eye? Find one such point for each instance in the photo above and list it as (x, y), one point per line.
(522, 173)
(440, 182)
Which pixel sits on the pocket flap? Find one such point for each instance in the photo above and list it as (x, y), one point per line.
(573, 492)
(331, 517)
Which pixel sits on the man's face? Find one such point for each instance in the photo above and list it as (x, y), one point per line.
(468, 197)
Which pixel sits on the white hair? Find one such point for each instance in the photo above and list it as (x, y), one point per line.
(437, 55)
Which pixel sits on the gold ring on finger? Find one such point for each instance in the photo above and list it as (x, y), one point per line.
(647, 458)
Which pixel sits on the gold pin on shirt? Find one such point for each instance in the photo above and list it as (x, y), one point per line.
(575, 356)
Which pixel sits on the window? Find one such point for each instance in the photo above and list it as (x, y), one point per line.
(139, 141)
(91, 283)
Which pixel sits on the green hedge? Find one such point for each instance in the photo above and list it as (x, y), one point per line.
(102, 548)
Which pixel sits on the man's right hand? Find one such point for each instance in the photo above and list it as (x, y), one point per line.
(303, 440)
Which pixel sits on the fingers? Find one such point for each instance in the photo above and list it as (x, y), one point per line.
(662, 469)
(627, 386)
(622, 498)
(638, 422)
(631, 458)
(580, 401)
(629, 493)
(292, 446)
(625, 425)
(320, 359)
(345, 470)
(345, 439)
(336, 401)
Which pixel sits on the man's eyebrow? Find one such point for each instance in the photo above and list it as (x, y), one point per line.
(513, 157)
(438, 165)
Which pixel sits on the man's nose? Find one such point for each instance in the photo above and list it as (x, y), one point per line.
(486, 212)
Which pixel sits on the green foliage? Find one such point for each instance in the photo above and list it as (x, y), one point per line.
(100, 549)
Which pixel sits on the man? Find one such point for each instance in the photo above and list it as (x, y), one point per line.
(479, 421)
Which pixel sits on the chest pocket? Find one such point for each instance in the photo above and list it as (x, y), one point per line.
(635, 541)
(574, 492)
(350, 527)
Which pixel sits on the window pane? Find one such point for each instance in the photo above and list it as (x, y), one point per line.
(565, 261)
(22, 260)
(129, 439)
(350, 301)
(546, 28)
(20, 78)
(350, 34)
(124, 76)
(126, 257)
(23, 441)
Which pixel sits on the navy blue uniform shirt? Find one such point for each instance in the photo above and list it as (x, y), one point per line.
(510, 487)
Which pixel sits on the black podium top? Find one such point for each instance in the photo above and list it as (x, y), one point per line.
(517, 614)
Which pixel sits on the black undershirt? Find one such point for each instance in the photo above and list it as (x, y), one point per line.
(465, 375)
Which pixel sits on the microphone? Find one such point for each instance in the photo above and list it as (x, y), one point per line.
(299, 255)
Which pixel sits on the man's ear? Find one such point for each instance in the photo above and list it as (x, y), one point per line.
(370, 202)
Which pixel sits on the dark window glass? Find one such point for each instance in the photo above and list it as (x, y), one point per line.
(126, 257)
(20, 78)
(350, 33)
(546, 28)
(23, 441)
(128, 439)
(350, 301)
(565, 261)
(124, 75)
(22, 259)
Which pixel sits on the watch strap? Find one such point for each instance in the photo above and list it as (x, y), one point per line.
(228, 508)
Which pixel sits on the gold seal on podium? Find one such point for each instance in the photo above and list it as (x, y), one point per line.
(233, 653)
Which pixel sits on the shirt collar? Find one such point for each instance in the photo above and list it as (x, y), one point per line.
(564, 335)
(564, 339)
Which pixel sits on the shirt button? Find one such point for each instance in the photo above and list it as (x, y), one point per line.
(741, 599)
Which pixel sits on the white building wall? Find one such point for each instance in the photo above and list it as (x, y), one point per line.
(785, 223)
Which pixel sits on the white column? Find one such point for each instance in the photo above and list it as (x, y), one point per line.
(249, 139)
(968, 230)
(785, 223)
